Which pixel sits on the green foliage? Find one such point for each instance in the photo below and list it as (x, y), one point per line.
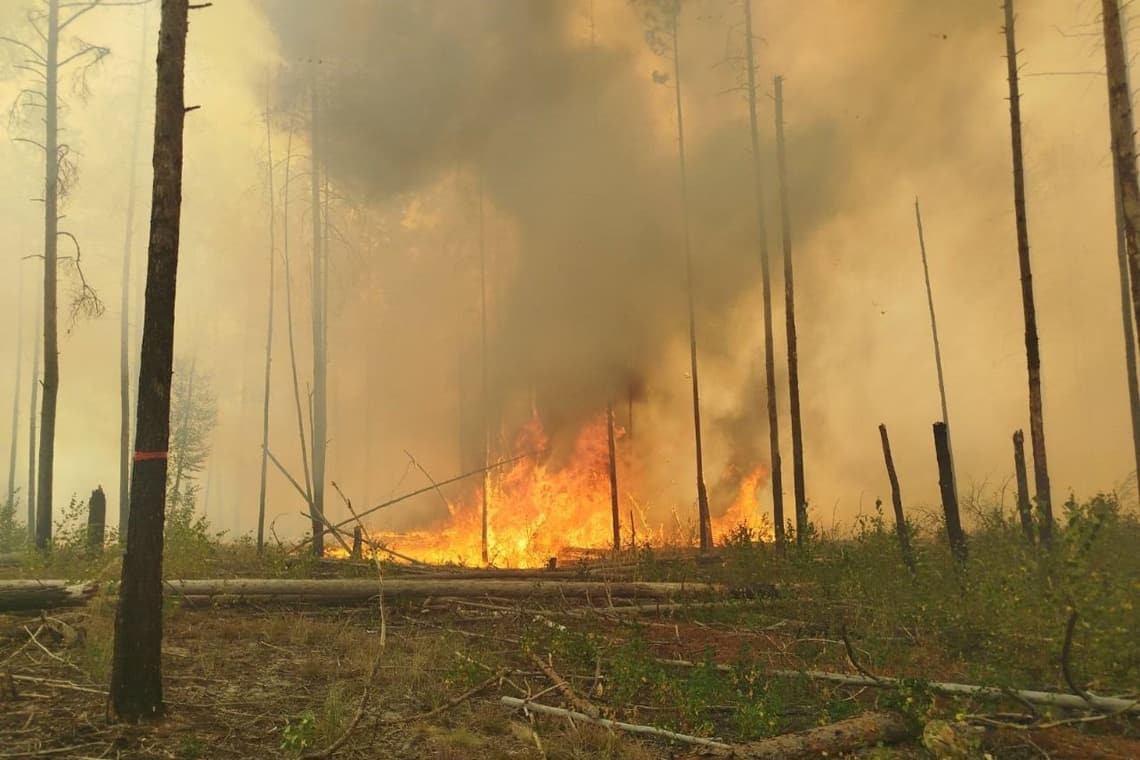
(299, 732)
(13, 534)
(193, 415)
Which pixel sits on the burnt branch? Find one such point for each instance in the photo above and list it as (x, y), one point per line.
(85, 301)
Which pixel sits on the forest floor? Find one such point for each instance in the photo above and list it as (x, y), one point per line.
(281, 681)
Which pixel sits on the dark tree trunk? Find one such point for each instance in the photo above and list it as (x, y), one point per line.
(614, 508)
(949, 496)
(16, 393)
(937, 343)
(96, 519)
(268, 337)
(802, 522)
(136, 667)
(50, 325)
(33, 410)
(1127, 189)
(901, 527)
(320, 350)
(766, 276)
(357, 543)
(704, 516)
(1024, 510)
(125, 316)
(1032, 351)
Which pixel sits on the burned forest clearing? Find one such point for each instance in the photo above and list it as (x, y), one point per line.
(570, 379)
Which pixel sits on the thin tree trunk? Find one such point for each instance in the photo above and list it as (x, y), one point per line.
(33, 410)
(766, 273)
(1024, 511)
(16, 393)
(949, 495)
(614, 507)
(136, 666)
(268, 335)
(125, 299)
(50, 325)
(289, 321)
(937, 344)
(704, 516)
(901, 527)
(802, 523)
(1127, 194)
(1032, 351)
(483, 397)
(320, 369)
(96, 519)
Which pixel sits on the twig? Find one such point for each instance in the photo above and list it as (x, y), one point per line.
(497, 677)
(1066, 652)
(48, 752)
(632, 728)
(58, 684)
(427, 475)
(329, 750)
(581, 704)
(851, 655)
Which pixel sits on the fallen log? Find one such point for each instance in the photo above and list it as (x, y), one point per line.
(1045, 698)
(23, 595)
(832, 740)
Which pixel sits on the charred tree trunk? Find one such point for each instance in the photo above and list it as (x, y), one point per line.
(16, 392)
(802, 523)
(50, 317)
(1032, 350)
(1024, 511)
(1127, 189)
(937, 343)
(33, 410)
(949, 495)
(901, 527)
(614, 507)
(125, 316)
(483, 390)
(268, 337)
(704, 516)
(136, 667)
(320, 350)
(766, 275)
(96, 519)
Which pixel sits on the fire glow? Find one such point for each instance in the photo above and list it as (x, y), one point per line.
(538, 510)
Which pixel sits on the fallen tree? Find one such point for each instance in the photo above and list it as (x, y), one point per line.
(47, 594)
(862, 731)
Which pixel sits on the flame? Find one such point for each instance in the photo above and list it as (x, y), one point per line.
(539, 509)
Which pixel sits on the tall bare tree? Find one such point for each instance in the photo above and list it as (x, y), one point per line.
(136, 665)
(125, 300)
(33, 411)
(1032, 349)
(1122, 126)
(268, 333)
(802, 522)
(484, 420)
(766, 276)
(320, 335)
(11, 501)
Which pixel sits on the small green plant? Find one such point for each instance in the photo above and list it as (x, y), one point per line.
(299, 732)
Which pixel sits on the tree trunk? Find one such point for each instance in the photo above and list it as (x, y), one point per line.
(125, 298)
(33, 409)
(1024, 511)
(937, 343)
(1127, 189)
(870, 729)
(96, 519)
(901, 527)
(289, 322)
(16, 393)
(614, 507)
(483, 397)
(704, 516)
(1032, 351)
(50, 326)
(136, 668)
(766, 274)
(320, 367)
(802, 523)
(949, 495)
(268, 337)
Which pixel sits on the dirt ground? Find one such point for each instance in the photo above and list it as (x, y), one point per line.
(255, 682)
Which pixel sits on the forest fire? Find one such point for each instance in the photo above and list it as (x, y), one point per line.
(538, 509)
